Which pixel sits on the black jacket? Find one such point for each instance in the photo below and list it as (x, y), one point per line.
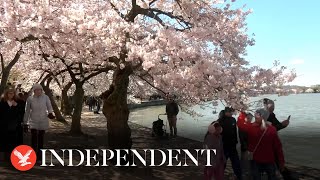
(10, 120)
(11, 117)
(229, 131)
(172, 109)
(278, 125)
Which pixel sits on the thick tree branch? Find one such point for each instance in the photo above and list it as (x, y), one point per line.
(43, 73)
(44, 79)
(133, 12)
(106, 69)
(15, 59)
(2, 62)
(133, 3)
(81, 71)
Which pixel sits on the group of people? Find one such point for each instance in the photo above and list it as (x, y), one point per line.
(94, 104)
(261, 148)
(20, 112)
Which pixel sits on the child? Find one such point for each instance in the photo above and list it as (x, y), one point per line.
(213, 140)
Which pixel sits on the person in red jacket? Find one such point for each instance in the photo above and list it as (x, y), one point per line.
(263, 143)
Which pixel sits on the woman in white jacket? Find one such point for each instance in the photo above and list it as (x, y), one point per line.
(38, 109)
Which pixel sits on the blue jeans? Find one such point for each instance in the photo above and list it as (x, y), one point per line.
(258, 169)
(232, 153)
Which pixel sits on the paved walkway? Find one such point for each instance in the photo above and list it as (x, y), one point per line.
(95, 128)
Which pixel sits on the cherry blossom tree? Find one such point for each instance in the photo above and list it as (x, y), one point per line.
(193, 49)
(189, 48)
(59, 28)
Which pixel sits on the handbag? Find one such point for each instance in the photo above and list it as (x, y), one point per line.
(289, 175)
(250, 154)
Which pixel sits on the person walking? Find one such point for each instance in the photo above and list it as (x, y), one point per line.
(11, 111)
(213, 140)
(230, 141)
(98, 105)
(38, 110)
(172, 111)
(263, 144)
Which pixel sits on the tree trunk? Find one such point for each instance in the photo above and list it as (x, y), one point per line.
(66, 106)
(76, 116)
(7, 69)
(62, 104)
(115, 109)
(55, 107)
(4, 80)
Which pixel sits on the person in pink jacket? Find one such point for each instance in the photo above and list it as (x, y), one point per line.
(213, 140)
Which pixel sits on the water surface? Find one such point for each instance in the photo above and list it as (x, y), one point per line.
(301, 140)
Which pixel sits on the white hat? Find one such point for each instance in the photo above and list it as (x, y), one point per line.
(36, 86)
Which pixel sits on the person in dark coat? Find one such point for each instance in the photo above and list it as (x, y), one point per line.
(270, 106)
(98, 106)
(230, 140)
(172, 111)
(10, 114)
(91, 102)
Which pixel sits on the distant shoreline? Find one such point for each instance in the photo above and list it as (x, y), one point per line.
(147, 104)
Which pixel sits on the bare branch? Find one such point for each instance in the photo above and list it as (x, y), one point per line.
(69, 68)
(178, 2)
(91, 84)
(152, 2)
(117, 10)
(154, 14)
(170, 14)
(141, 77)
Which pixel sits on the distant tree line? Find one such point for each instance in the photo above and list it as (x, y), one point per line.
(316, 88)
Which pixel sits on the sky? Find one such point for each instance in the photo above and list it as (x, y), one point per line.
(288, 31)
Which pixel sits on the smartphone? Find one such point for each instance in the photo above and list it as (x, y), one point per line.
(289, 117)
